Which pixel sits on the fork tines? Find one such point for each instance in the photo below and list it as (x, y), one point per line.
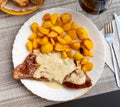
(108, 28)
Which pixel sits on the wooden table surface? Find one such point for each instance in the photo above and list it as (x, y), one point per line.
(12, 92)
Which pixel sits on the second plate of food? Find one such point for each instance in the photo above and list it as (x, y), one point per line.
(53, 91)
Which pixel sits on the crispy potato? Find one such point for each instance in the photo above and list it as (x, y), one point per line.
(43, 30)
(54, 18)
(39, 34)
(44, 41)
(47, 16)
(32, 36)
(47, 24)
(84, 51)
(75, 45)
(59, 22)
(57, 29)
(59, 47)
(34, 27)
(82, 33)
(87, 66)
(78, 56)
(88, 43)
(29, 46)
(52, 34)
(47, 48)
(60, 40)
(69, 53)
(35, 44)
(66, 17)
(84, 61)
(74, 25)
(72, 34)
(68, 39)
(91, 54)
(64, 55)
(67, 27)
(52, 41)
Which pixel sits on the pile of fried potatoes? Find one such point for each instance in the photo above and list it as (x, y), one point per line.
(58, 33)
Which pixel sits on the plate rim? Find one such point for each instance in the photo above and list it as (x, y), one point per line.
(22, 80)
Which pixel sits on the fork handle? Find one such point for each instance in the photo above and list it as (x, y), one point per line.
(115, 64)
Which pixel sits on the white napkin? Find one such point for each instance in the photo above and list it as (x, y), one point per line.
(108, 57)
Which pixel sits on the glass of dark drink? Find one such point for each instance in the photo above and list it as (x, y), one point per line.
(95, 6)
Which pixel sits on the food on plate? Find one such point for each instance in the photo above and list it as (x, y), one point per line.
(35, 2)
(51, 67)
(21, 3)
(59, 51)
(3, 2)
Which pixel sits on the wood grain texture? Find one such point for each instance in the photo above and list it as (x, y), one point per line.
(12, 92)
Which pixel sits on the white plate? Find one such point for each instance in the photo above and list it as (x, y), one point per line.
(39, 88)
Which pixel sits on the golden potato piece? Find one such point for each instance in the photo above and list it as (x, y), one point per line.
(68, 39)
(88, 43)
(52, 41)
(74, 25)
(84, 60)
(60, 47)
(57, 29)
(66, 17)
(75, 45)
(32, 36)
(47, 24)
(47, 48)
(78, 56)
(47, 16)
(64, 55)
(43, 41)
(52, 34)
(72, 34)
(87, 66)
(82, 33)
(69, 53)
(67, 27)
(60, 40)
(54, 17)
(29, 46)
(43, 30)
(59, 22)
(35, 44)
(39, 34)
(34, 26)
(91, 54)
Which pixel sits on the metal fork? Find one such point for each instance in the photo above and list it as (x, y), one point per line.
(109, 36)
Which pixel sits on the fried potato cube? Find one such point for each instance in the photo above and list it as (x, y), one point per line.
(75, 45)
(68, 39)
(47, 48)
(29, 46)
(32, 36)
(52, 34)
(87, 66)
(64, 55)
(43, 41)
(39, 34)
(57, 29)
(74, 25)
(54, 18)
(84, 60)
(72, 34)
(82, 33)
(84, 51)
(67, 27)
(47, 16)
(43, 30)
(91, 54)
(69, 53)
(78, 56)
(38, 41)
(88, 43)
(59, 47)
(34, 27)
(47, 24)
(52, 41)
(66, 17)
(35, 44)
(60, 40)
(59, 22)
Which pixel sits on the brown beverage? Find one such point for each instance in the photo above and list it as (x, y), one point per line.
(94, 6)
